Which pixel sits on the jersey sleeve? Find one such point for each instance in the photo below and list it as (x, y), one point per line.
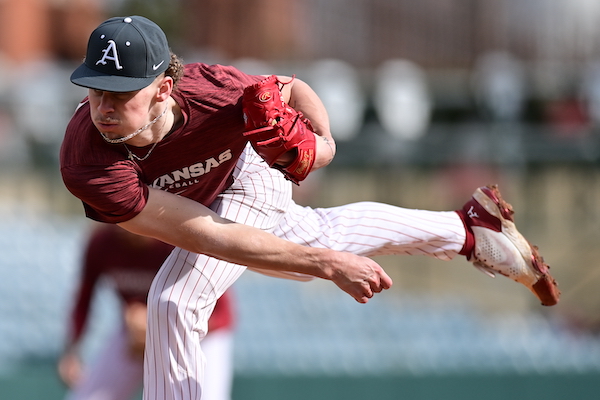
(89, 276)
(109, 194)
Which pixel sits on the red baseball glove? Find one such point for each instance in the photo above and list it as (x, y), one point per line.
(274, 129)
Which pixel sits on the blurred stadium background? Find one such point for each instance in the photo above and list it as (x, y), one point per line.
(429, 100)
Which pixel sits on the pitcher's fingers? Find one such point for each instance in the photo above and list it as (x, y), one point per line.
(382, 282)
(386, 281)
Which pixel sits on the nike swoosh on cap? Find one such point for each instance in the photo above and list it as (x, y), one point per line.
(157, 66)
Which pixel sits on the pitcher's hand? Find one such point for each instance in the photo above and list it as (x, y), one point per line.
(360, 277)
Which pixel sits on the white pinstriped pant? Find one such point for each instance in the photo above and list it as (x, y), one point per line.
(184, 291)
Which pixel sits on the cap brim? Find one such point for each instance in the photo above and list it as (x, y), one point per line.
(89, 78)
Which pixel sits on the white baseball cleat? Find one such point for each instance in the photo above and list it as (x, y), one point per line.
(499, 248)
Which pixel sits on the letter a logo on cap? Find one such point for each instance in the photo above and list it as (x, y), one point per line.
(112, 50)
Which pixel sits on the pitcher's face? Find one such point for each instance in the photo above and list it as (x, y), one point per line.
(118, 114)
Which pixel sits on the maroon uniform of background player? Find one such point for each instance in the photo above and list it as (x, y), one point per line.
(128, 264)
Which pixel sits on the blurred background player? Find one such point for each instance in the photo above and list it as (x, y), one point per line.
(129, 262)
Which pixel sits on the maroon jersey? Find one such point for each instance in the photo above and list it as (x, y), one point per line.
(128, 263)
(196, 160)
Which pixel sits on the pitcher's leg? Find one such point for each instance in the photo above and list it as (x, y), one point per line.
(180, 302)
(370, 229)
(483, 230)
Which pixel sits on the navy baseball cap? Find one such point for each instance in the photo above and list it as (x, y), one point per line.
(124, 54)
